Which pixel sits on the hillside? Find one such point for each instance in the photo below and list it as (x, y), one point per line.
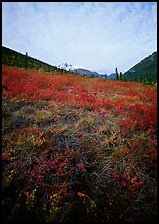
(13, 58)
(77, 149)
(144, 71)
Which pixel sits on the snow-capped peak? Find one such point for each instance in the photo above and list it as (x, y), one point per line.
(64, 66)
(68, 67)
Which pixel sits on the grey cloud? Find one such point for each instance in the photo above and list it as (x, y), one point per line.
(96, 34)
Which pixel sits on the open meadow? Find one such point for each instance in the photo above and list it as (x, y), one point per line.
(77, 149)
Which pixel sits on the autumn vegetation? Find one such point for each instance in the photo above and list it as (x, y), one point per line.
(77, 149)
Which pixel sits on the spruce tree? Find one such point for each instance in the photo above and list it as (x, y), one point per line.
(17, 60)
(26, 61)
(121, 76)
(117, 75)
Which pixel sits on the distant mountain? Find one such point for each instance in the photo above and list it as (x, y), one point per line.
(144, 71)
(112, 76)
(85, 72)
(80, 70)
(68, 67)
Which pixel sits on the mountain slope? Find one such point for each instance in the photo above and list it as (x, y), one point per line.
(16, 59)
(146, 70)
(86, 72)
(80, 70)
(112, 76)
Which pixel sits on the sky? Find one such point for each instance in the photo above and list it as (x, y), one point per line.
(99, 36)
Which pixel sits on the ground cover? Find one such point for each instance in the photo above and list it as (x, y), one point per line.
(77, 148)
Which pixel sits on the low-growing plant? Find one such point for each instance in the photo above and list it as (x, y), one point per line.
(77, 149)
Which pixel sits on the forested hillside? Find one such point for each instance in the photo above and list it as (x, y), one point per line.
(145, 71)
(13, 58)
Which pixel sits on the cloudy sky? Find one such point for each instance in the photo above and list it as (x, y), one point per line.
(96, 35)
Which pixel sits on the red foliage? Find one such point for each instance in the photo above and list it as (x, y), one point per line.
(129, 117)
(54, 168)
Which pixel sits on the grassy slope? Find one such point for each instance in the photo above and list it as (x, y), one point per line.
(76, 148)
